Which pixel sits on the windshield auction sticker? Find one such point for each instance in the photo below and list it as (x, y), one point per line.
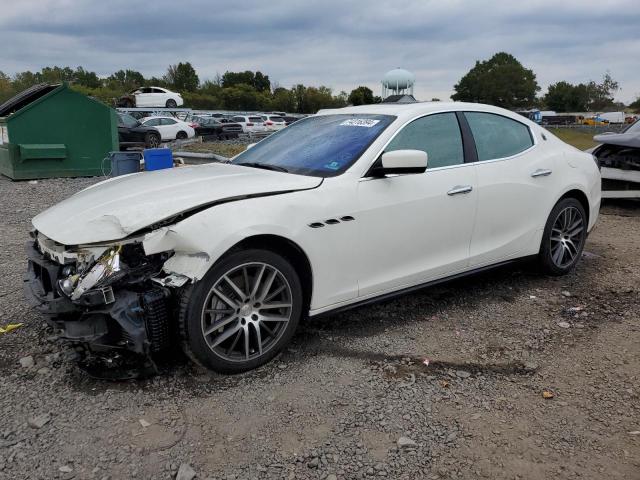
(360, 122)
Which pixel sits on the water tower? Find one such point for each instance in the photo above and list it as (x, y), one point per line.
(397, 82)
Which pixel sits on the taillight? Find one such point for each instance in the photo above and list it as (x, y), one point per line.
(194, 125)
(268, 123)
(249, 124)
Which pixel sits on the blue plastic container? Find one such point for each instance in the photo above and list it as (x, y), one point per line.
(123, 163)
(157, 159)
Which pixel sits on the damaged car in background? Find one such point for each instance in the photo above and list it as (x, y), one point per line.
(619, 158)
(337, 210)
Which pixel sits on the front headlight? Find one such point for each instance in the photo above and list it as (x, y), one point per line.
(104, 272)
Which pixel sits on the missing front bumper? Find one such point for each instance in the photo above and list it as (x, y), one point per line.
(135, 318)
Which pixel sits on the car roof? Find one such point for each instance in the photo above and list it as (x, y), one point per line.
(411, 110)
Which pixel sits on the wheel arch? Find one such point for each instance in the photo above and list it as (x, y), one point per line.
(581, 197)
(287, 249)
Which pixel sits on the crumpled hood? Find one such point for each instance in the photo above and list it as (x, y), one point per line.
(114, 209)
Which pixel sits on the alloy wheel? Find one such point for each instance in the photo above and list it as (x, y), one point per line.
(246, 311)
(154, 141)
(567, 237)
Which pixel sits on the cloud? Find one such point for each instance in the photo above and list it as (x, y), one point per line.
(340, 44)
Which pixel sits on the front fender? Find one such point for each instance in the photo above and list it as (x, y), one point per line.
(200, 240)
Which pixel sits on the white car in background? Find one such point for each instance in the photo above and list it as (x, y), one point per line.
(250, 123)
(273, 122)
(171, 128)
(337, 210)
(151, 97)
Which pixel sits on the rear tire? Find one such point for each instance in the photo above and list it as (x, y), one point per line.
(564, 236)
(242, 313)
(181, 135)
(171, 103)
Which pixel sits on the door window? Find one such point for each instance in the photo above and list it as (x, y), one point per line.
(167, 121)
(438, 135)
(154, 122)
(127, 121)
(497, 136)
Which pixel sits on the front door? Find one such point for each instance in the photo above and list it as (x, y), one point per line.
(144, 98)
(417, 227)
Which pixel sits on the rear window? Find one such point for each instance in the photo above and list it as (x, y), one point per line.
(128, 121)
(276, 119)
(255, 119)
(497, 136)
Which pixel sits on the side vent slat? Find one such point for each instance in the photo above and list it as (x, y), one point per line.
(347, 218)
(316, 225)
(332, 221)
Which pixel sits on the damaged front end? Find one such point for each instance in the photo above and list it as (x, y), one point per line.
(104, 298)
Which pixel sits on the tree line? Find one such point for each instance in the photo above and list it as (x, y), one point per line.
(501, 80)
(246, 90)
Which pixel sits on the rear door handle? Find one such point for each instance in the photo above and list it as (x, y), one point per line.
(460, 189)
(541, 172)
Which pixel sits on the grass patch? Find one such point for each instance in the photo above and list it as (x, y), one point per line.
(224, 149)
(579, 138)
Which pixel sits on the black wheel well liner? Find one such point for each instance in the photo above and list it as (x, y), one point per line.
(289, 250)
(581, 197)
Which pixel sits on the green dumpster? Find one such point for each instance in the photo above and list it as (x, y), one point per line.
(53, 131)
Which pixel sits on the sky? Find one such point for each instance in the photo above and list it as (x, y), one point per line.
(340, 44)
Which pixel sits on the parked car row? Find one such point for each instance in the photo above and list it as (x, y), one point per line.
(148, 127)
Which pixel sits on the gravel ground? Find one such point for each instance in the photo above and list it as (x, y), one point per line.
(351, 398)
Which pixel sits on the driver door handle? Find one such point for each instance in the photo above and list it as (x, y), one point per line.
(541, 172)
(460, 189)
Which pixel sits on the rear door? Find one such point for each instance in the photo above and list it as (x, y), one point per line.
(171, 128)
(159, 97)
(515, 179)
(415, 228)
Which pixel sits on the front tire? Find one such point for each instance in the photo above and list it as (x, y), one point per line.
(564, 237)
(243, 312)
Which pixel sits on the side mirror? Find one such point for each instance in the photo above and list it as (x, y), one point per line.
(402, 162)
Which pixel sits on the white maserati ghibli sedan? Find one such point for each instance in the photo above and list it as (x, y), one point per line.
(339, 209)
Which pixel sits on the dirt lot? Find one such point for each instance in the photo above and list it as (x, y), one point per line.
(351, 398)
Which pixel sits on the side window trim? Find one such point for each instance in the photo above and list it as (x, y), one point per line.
(468, 142)
(534, 141)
